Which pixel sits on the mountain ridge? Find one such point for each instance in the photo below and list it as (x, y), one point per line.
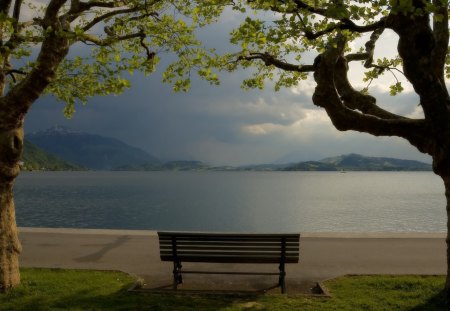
(349, 162)
(37, 159)
(97, 152)
(89, 150)
(357, 162)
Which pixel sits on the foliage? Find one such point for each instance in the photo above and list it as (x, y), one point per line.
(109, 41)
(34, 158)
(54, 289)
(285, 41)
(281, 38)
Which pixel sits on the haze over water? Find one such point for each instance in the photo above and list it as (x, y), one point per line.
(233, 201)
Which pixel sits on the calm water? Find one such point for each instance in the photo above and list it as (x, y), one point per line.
(233, 201)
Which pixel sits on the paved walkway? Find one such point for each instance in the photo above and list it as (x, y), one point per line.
(322, 256)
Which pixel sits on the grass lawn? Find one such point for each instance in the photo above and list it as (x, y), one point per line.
(47, 289)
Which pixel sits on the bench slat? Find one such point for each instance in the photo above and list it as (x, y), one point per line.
(230, 239)
(231, 259)
(221, 234)
(229, 236)
(228, 244)
(226, 248)
(228, 254)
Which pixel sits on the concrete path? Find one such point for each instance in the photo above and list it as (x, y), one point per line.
(322, 256)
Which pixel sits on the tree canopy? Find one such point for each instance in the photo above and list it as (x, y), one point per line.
(280, 37)
(285, 40)
(106, 42)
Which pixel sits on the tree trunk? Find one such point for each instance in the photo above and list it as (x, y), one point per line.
(441, 166)
(11, 145)
(446, 179)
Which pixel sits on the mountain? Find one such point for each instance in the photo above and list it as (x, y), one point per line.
(34, 158)
(349, 162)
(356, 162)
(105, 153)
(88, 150)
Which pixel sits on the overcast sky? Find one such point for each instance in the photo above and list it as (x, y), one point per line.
(226, 125)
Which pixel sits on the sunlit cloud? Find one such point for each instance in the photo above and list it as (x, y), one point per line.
(417, 113)
(262, 129)
(305, 87)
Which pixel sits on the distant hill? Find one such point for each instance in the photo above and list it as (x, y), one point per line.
(88, 150)
(71, 150)
(356, 162)
(262, 167)
(167, 166)
(349, 162)
(36, 159)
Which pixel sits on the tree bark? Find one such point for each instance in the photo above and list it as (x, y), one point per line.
(422, 52)
(447, 195)
(13, 108)
(444, 172)
(11, 146)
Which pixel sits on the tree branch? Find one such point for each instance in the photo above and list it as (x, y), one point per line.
(108, 41)
(101, 18)
(16, 12)
(77, 6)
(54, 49)
(12, 73)
(51, 14)
(441, 36)
(355, 100)
(331, 78)
(416, 47)
(370, 46)
(347, 24)
(271, 60)
(5, 5)
(304, 6)
(344, 23)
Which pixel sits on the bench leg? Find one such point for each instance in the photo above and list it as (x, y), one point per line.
(177, 278)
(281, 279)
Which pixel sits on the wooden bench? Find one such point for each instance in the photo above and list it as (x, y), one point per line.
(181, 247)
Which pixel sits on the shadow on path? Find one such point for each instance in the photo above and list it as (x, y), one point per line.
(95, 257)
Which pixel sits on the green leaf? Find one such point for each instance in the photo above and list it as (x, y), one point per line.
(395, 89)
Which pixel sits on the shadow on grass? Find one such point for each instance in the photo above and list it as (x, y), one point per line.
(124, 300)
(435, 303)
(46, 289)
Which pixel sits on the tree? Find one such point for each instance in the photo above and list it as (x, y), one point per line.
(35, 40)
(292, 30)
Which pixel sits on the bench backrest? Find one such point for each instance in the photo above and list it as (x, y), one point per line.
(229, 247)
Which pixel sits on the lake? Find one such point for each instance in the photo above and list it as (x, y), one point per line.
(233, 201)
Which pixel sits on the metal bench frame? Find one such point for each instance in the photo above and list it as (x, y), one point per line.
(181, 247)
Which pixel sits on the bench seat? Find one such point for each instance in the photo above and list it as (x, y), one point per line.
(276, 248)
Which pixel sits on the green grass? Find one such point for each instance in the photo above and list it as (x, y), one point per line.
(47, 289)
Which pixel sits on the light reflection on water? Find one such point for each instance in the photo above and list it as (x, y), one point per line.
(233, 201)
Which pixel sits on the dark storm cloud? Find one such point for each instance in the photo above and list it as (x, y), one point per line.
(224, 124)
(218, 124)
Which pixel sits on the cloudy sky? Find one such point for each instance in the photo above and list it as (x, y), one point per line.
(227, 125)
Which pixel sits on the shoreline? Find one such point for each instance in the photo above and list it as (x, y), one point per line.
(339, 235)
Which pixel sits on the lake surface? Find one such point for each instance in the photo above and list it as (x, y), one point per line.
(233, 201)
